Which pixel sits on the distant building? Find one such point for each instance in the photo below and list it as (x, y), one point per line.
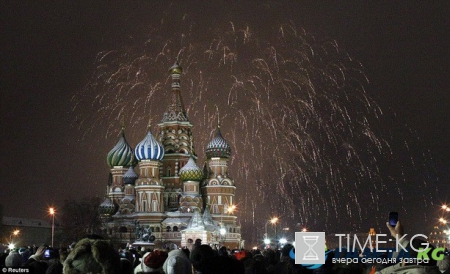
(439, 237)
(31, 231)
(170, 195)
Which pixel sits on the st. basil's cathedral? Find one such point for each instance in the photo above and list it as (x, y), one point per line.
(159, 187)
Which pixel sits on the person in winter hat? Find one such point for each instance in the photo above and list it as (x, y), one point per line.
(152, 262)
(177, 263)
(13, 259)
(92, 256)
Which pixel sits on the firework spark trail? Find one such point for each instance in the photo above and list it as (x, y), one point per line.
(295, 112)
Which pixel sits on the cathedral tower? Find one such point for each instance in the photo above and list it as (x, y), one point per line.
(176, 137)
(118, 159)
(149, 187)
(191, 175)
(218, 188)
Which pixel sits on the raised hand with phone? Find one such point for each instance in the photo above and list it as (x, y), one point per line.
(394, 226)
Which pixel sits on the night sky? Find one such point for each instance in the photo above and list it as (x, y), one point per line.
(56, 132)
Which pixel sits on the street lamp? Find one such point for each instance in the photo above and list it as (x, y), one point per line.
(231, 209)
(222, 230)
(52, 212)
(273, 221)
(443, 222)
(15, 233)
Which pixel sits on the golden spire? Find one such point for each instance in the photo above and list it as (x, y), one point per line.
(149, 125)
(122, 124)
(218, 117)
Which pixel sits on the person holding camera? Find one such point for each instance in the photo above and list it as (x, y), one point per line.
(36, 262)
(58, 258)
(402, 267)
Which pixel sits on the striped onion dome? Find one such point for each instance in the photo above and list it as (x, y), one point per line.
(149, 149)
(130, 176)
(107, 207)
(121, 154)
(191, 172)
(218, 147)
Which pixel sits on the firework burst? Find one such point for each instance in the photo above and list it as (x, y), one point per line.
(303, 129)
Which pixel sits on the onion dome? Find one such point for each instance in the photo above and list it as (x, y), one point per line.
(149, 149)
(175, 69)
(107, 207)
(191, 172)
(121, 154)
(218, 147)
(130, 176)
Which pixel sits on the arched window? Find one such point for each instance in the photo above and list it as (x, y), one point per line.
(168, 171)
(168, 229)
(175, 228)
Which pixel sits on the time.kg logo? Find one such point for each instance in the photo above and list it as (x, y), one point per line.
(309, 249)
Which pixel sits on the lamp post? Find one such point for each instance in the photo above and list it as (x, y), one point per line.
(443, 225)
(15, 233)
(445, 207)
(273, 221)
(51, 211)
(223, 230)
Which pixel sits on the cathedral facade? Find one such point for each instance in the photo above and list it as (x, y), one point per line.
(159, 187)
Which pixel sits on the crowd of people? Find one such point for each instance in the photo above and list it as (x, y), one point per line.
(94, 254)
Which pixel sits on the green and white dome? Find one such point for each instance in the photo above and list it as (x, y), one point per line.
(122, 153)
(191, 172)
